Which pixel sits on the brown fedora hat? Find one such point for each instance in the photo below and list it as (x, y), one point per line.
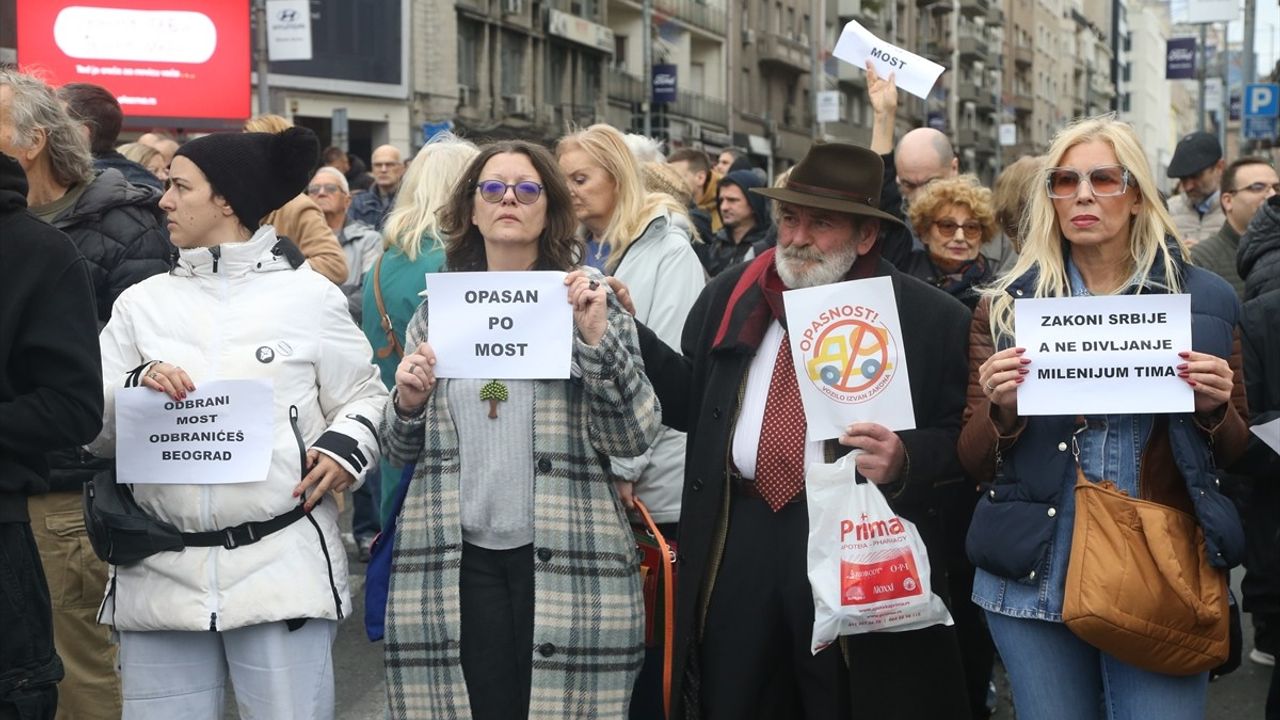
(835, 176)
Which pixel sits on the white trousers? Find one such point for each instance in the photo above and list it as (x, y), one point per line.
(276, 674)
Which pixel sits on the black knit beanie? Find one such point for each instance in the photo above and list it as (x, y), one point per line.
(256, 172)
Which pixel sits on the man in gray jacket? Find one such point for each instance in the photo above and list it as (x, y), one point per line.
(1197, 164)
(1246, 185)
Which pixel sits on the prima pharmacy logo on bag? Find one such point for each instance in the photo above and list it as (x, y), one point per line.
(850, 355)
(869, 575)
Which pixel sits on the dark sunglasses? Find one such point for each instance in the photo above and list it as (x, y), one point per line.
(972, 228)
(1104, 181)
(527, 191)
(1255, 188)
(326, 187)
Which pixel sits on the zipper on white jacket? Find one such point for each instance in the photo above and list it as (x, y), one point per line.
(216, 252)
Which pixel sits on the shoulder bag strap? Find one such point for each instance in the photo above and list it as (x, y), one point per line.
(393, 343)
(668, 604)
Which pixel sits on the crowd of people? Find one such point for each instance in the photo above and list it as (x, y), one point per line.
(514, 586)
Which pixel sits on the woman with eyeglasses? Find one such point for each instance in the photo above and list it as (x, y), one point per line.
(515, 590)
(1096, 227)
(953, 217)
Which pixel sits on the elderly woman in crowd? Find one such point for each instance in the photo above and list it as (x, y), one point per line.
(953, 217)
(646, 239)
(258, 593)
(515, 590)
(414, 247)
(1095, 227)
(146, 156)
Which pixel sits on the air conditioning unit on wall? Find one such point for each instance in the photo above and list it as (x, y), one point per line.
(517, 105)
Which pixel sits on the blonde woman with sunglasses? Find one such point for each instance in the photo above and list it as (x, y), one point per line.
(1096, 227)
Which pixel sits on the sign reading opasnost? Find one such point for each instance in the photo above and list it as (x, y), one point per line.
(221, 433)
(509, 325)
(189, 59)
(846, 343)
(915, 74)
(1104, 355)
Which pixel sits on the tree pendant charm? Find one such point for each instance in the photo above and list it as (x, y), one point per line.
(495, 392)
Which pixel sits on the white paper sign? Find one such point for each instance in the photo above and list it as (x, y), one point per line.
(1099, 355)
(289, 29)
(222, 433)
(1008, 134)
(509, 325)
(1269, 433)
(846, 342)
(914, 74)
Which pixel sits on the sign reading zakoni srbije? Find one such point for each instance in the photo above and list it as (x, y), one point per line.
(221, 433)
(846, 343)
(1104, 355)
(510, 325)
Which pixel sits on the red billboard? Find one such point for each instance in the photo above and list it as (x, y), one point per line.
(180, 59)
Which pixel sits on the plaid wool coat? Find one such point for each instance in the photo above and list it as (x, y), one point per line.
(588, 610)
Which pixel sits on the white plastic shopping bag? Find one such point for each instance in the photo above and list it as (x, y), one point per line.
(868, 568)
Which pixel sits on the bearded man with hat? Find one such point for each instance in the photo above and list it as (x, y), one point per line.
(256, 592)
(1197, 208)
(744, 610)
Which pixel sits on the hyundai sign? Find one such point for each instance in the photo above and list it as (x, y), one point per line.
(179, 59)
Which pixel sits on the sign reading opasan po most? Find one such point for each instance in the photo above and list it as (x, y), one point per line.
(181, 59)
(846, 343)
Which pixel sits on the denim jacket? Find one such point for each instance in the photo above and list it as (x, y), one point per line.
(1020, 537)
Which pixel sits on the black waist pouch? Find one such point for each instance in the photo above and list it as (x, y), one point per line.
(121, 532)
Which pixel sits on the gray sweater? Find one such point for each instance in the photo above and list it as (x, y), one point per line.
(496, 457)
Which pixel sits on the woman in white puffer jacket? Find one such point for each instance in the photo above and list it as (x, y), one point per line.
(241, 304)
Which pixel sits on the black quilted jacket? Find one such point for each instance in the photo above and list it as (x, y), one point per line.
(120, 230)
(1258, 259)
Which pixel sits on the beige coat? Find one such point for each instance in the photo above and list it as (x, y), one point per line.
(301, 221)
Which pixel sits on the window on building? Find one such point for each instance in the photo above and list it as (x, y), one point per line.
(557, 62)
(744, 92)
(777, 19)
(790, 28)
(469, 43)
(698, 78)
(513, 53)
(619, 52)
(590, 78)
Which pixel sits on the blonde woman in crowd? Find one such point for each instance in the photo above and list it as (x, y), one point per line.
(414, 247)
(643, 239)
(1095, 226)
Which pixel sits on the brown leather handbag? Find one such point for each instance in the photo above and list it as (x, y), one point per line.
(1139, 584)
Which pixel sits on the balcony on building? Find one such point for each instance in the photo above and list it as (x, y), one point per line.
(1023, 103)
(938, 51)
(968, 137)
(701, 108)
(699, 14)
(936, 7)
(1023, 56)
(866, 12)
(624, 87)
(974, 8)
(972, 46)
(781, 50)
(995, 16)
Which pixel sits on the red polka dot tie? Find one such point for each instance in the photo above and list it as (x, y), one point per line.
(780, 454)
